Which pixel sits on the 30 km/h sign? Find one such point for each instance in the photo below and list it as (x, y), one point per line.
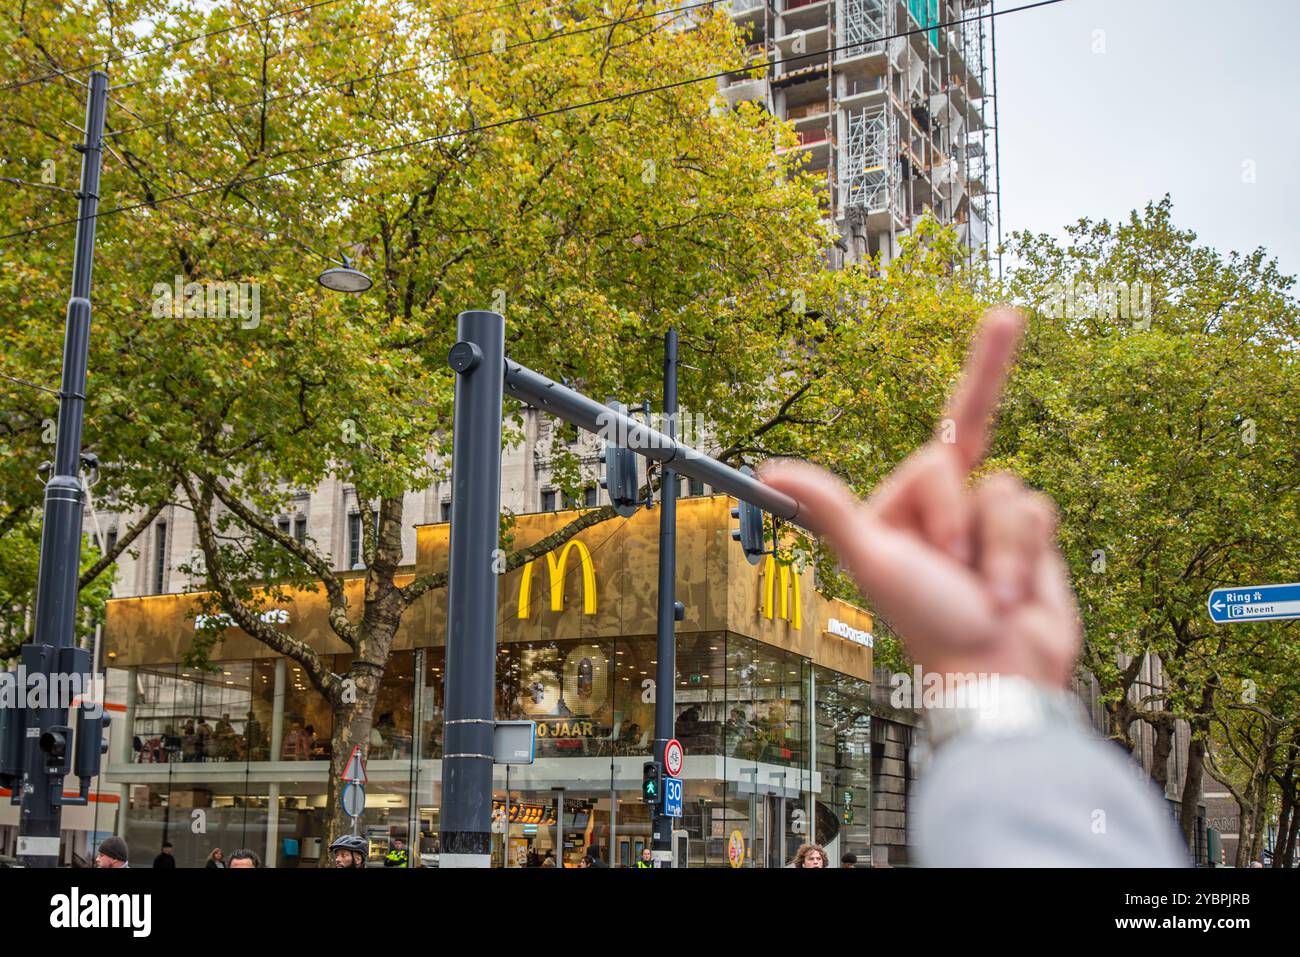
(1230, 606)
(673, 757)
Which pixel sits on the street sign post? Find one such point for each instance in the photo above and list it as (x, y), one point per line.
(355, 771)
(673, 758)
(354, 799)
(1231, 606)
(673, 797)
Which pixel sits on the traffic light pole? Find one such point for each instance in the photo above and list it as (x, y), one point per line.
(44, 767)
(483, 373)
(666, 642)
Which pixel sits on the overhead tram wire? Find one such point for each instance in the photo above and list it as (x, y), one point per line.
(463, 58)
(527, 118)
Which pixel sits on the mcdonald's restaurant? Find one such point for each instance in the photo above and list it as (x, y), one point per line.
(787, 738)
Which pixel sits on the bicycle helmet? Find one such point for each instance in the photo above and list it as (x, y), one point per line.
(351, 842)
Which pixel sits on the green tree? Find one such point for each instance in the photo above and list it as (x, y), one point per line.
(1154, 402)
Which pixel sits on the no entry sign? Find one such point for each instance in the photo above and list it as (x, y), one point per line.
(673, 758)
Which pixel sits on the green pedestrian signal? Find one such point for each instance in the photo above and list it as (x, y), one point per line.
(651, 782)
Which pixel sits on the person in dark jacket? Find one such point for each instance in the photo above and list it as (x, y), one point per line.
(165, 859)
(216, 859)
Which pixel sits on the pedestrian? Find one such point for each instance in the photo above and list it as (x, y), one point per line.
(973, 577)
(809, 855)
(849, 860)
(215, 859)
(351, 851)
(164, 859)
(396, 856)
(549, 859)
(112, 854)
(592, 858)
(647, 858)
(244, 858)
(534, 859)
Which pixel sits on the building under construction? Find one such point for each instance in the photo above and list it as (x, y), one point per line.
(894, 103)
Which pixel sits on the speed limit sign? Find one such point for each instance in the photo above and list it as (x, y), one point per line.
(673, 758)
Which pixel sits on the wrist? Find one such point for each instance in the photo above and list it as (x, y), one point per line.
(1000, 707)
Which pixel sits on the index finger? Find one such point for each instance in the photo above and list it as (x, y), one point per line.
(971, 408)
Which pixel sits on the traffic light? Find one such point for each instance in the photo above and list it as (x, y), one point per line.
(750, 534)
(620, 471)
(652, 775)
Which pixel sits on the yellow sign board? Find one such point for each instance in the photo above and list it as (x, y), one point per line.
(556, 567)
(736, 849)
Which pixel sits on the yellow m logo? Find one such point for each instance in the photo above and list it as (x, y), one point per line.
(789, 583)
(556, 567)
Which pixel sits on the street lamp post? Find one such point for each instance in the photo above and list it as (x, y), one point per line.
(52, 648)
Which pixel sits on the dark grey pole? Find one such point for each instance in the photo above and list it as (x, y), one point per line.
(559, 400)
(60, 560)
(478, 358)
(666, 643)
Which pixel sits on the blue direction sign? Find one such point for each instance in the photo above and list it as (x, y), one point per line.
(1254, 603)
(673, 797)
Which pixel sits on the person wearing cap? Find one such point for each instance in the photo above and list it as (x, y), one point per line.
(112, 853)
(165, 859)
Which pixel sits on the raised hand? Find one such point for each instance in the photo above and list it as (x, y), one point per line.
(971, 578)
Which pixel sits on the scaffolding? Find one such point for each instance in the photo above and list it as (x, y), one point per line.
(865, 23)
(870, 163)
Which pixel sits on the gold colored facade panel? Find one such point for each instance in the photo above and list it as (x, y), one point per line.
(605, 586)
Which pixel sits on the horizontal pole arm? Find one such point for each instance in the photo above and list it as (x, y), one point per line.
(550, 396)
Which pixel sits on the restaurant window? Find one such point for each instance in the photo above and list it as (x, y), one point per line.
(701, 697)
(391, 730)
(567, 688)
(764, 703)
(845, 755)
(308, 719)
(430, 704)
(634, 695)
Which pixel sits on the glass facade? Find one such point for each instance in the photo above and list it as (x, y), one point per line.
(239, 756)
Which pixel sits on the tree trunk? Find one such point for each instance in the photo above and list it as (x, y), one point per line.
(352, 724)
(1192, 790)
(1161, 748)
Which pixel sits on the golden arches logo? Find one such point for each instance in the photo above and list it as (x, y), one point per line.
(789, 582)
(556, 566)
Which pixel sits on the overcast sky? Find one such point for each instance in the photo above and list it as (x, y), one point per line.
(1177, 97)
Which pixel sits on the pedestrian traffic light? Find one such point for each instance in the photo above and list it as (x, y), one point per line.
(620, 468)
(652, 774)
(750, 534)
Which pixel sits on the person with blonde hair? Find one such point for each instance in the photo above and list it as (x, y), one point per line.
(809, 855)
